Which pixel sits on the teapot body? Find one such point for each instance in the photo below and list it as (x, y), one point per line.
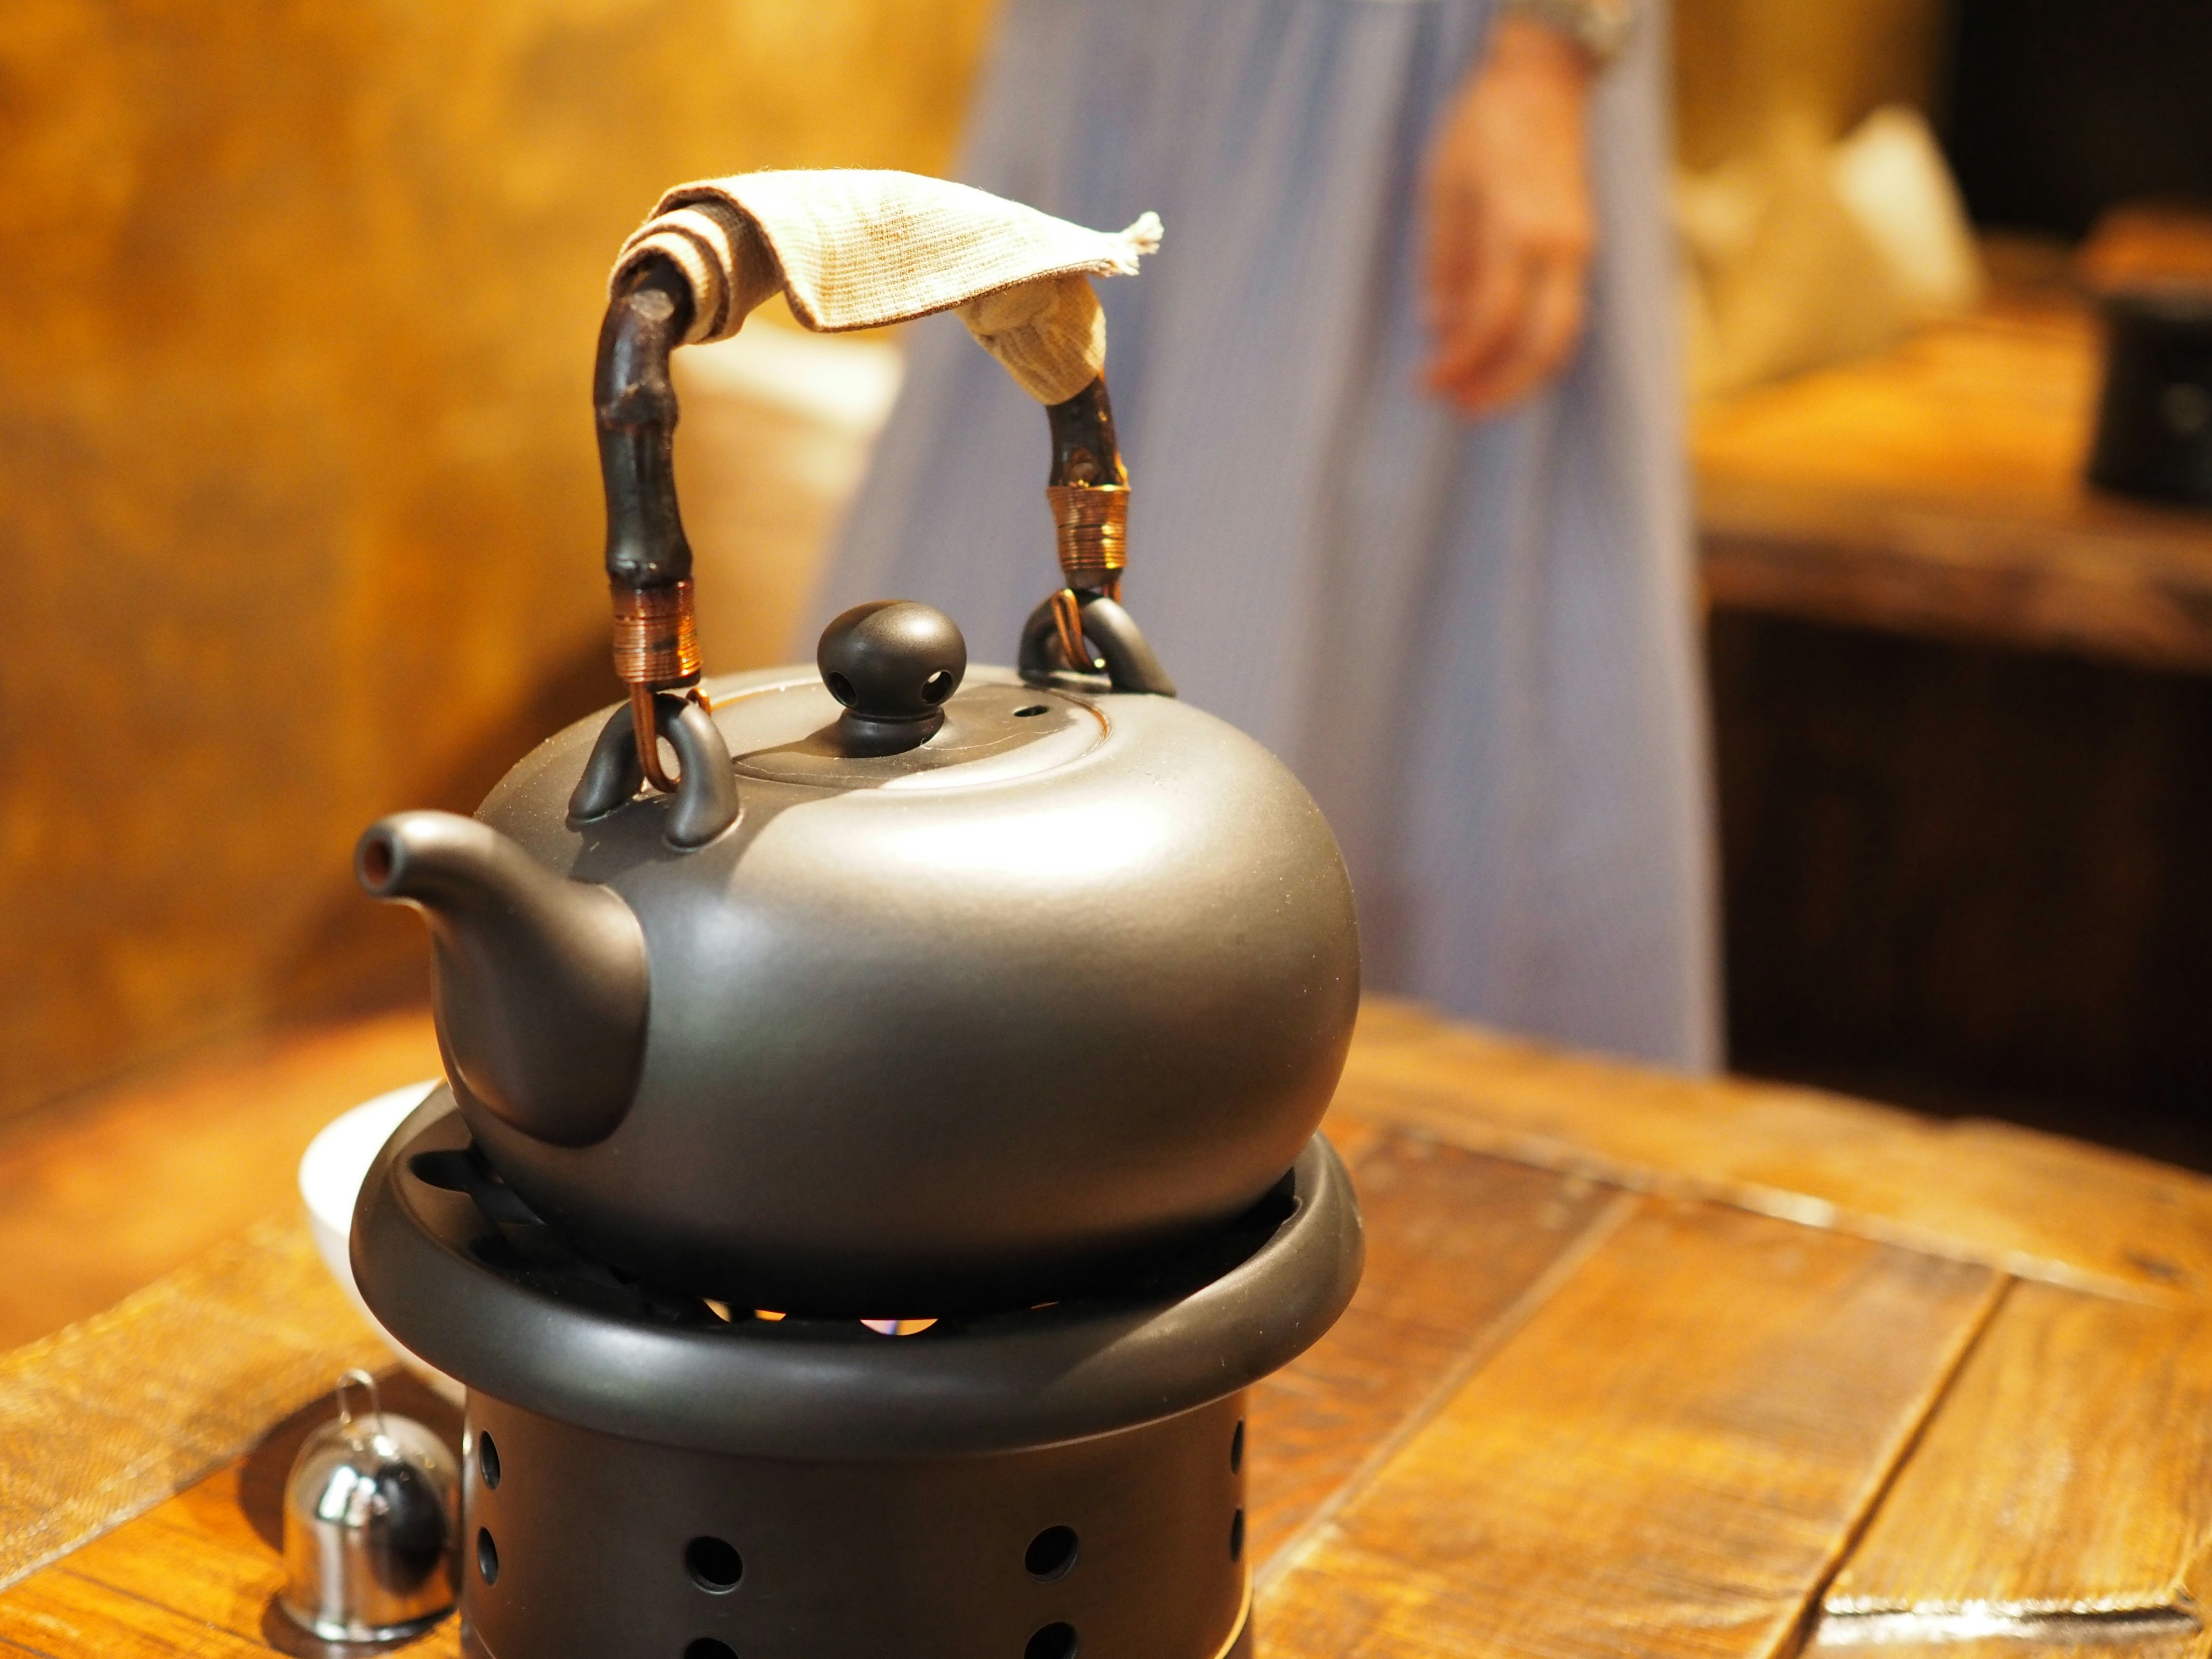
(967, 1027)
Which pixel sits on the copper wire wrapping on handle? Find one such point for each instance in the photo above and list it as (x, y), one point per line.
(656, 646)
(656, 636)
(1091, 522)
(1081, 626)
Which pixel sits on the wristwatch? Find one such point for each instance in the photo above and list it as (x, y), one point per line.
(1601, 27)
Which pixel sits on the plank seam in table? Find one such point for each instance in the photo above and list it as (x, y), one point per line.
(1390, 1452)
(1286, 1557)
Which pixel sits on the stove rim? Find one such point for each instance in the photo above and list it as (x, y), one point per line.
(832, 1390)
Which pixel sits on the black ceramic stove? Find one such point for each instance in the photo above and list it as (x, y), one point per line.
(652, 1474)
(1005, 1001)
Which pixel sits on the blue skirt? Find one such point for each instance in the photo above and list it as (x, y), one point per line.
(1475, 642)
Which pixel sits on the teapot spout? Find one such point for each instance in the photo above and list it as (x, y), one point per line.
(541, 982)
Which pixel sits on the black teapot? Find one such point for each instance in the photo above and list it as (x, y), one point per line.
(911, 988)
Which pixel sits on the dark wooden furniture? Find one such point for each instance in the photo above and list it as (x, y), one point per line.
(1641, 1366)
(1964, 732)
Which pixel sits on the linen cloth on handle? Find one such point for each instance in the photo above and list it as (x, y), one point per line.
(851, 248)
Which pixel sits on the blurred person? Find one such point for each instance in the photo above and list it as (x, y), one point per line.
(1399, 401)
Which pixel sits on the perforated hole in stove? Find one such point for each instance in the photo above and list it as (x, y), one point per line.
(1052, 1554)
(714, 1564)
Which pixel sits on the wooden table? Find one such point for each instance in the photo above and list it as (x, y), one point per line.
(1640, 1366)
(1936, 488)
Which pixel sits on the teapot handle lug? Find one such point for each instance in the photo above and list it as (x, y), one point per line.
(706, 802)
(612, 776)
(1125, 653)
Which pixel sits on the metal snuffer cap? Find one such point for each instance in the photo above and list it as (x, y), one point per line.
(369, 1524)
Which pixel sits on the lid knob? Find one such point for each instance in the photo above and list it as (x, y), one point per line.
(893, 663)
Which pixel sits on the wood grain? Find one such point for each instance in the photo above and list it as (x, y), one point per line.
(1936, 488)
(1666, 1461)
(2034, 1639)
(1561, 1421)
(104, 1419)
(1455, 1241)
(196, 1576)
(2033, 1204)
(2068, 1472)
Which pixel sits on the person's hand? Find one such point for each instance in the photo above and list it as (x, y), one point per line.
(1510, 221)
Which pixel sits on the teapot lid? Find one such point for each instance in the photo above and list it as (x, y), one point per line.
(887, 711)
(883, 714)
(789, 730)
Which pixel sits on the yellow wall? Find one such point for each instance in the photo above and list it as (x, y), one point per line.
(298, 513)
(298, 510)
(1741, 66)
